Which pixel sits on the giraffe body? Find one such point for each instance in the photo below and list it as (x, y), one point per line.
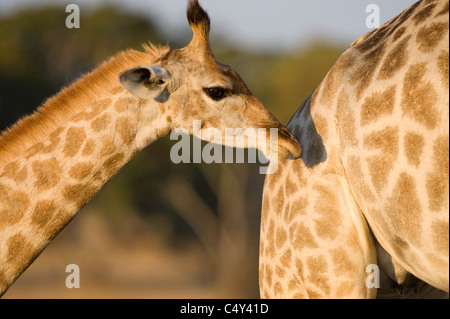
(374, 169)
(55, 160)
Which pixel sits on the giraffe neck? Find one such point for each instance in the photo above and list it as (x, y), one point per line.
(47, 177)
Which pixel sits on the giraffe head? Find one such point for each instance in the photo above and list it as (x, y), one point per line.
(190, 85)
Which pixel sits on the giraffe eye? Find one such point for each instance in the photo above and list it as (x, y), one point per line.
(216, 93)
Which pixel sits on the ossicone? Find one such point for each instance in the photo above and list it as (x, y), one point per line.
(199, 21)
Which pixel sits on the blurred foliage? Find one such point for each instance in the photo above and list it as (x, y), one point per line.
(39, 55)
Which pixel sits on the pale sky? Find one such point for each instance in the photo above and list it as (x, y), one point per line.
(258, 24)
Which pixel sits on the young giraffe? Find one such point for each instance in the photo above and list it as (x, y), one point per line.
(374, 169)
(57, 159)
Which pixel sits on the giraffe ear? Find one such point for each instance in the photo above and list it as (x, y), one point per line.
(146, 82)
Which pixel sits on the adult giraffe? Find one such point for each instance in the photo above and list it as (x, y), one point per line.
(373, 177)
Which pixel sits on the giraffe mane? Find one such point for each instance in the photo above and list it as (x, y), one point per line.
(72, 99)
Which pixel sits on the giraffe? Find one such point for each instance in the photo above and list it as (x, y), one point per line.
(371, 186)
(56, 159)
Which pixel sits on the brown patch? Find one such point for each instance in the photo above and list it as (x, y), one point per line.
(270, 249)
(440, 236)
(404, 211)
(101, 105)
(407, 13)
(357, 178)
(437, 181)
(395, 60)
(293, 284)
(278, 289)
(414, 144)
(79, 194)
(75, 137)
(89, 147)
(280, 238)
(398, 34)
(268, 276)
(20, 251)
(296, 167)
(373, 39)
(387, 142)
(96, 109)
(443, 67)
(13, 171)
(265, 204)
(298, 207)
(286, 258)
(113, 164)
(13, 206)
(126, 130)
(301, 237)
(326, 228)
(365, 70)
(79, 117)
(423, 14)
(43, 213)
(343, 266)
(312, 294)
(81, 170)
(299, 267)
(54, 141)
(290, 187)
(280, 272)
(278, 201)
(34, 150)
(327, 207)
(116, 90)
(123, 103)
(48, 173)
(429, 36)
(444, 10)
(317, 267)
(101, 123)
(108, 147)
(419, 97)
(377, 105)
(3, 281)
(346, 121)
(299, 295)
(57, 223)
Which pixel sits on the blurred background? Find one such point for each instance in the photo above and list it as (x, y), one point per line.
(158, 229)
